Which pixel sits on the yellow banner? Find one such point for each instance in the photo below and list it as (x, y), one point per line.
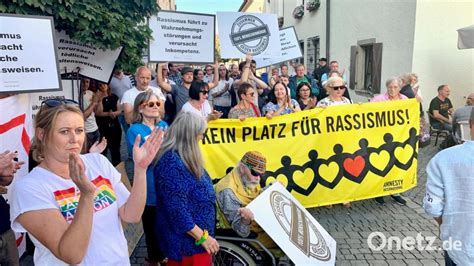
(325, 156)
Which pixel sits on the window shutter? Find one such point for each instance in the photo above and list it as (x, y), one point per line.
(376, 67)
(352, 67)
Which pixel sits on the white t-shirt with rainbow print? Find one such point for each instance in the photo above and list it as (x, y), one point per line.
(41, 189)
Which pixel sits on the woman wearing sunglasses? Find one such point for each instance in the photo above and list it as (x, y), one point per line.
(335, 87)
(245, 108)
(72, 205)
(147, 112)
(198, 103)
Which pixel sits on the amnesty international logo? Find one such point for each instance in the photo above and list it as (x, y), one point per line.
(299, 228)
(250, 35)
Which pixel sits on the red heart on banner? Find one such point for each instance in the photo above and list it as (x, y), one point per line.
(354, 166)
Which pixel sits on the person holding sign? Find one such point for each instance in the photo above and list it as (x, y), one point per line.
(245, 108)
(185, 196)
(179, 92)
(280, 103)
(72, 205)
(393, 94)
(221, 96)
(235, 191)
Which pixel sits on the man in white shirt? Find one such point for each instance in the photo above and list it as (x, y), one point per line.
(143, 78)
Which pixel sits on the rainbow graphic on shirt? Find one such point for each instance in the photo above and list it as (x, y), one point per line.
(68, 199)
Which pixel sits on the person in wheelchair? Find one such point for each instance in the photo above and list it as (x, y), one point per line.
(237, 189)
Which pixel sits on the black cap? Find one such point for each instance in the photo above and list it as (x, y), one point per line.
(186, 69)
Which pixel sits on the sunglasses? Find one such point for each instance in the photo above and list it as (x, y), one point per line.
(339, 88)
(58, 102)
(152, 104)
(253, 172)
(204, 92)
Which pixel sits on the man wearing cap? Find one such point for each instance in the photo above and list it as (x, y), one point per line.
(235, 191)
(179, 92)
(322, 68)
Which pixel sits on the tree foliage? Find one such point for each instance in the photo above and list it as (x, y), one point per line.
(106, 24)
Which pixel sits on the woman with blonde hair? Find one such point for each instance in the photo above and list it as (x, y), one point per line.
(185, 195)
(72, 205)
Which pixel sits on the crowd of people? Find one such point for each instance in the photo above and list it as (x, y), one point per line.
(72, 204)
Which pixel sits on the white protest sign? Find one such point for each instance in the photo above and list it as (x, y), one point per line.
(27, 55)
(243, 33)
(182, 37)
(37, 98)
(290, 49)
(94, 63)
(293, 228)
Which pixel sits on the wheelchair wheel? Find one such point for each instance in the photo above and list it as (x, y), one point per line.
(231, 254)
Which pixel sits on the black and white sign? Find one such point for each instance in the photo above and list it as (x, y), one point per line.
(27, 54)
(182, 37)
(293, 228)
(248, 33)
(93, 63)
(290, 49)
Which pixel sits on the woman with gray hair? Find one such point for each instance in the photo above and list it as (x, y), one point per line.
(393, 93)
(185, 195)
(147, 111)
(393, 85)
(335, 87)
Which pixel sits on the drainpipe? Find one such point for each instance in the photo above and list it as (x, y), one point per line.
(328, 23)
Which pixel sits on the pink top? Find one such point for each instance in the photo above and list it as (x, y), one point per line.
(384, 97)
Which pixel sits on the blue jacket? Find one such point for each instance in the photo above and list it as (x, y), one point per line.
(183, 201)
(293, 85)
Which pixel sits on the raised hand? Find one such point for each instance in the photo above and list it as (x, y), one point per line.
(8, 166)
(77, 172)
(143, 155)
(6, 158)
(248, 58)
(99, 147)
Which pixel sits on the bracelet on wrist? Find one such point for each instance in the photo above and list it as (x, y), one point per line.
(203, 238)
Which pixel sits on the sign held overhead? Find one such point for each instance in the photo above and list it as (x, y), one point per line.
(182, 37)
(248, 33)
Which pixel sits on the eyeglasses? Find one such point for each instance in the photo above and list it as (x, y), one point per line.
(204, 92)
(152, 104)
(209, 69)
(339, 88)
(304, 90)
(58, 102)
